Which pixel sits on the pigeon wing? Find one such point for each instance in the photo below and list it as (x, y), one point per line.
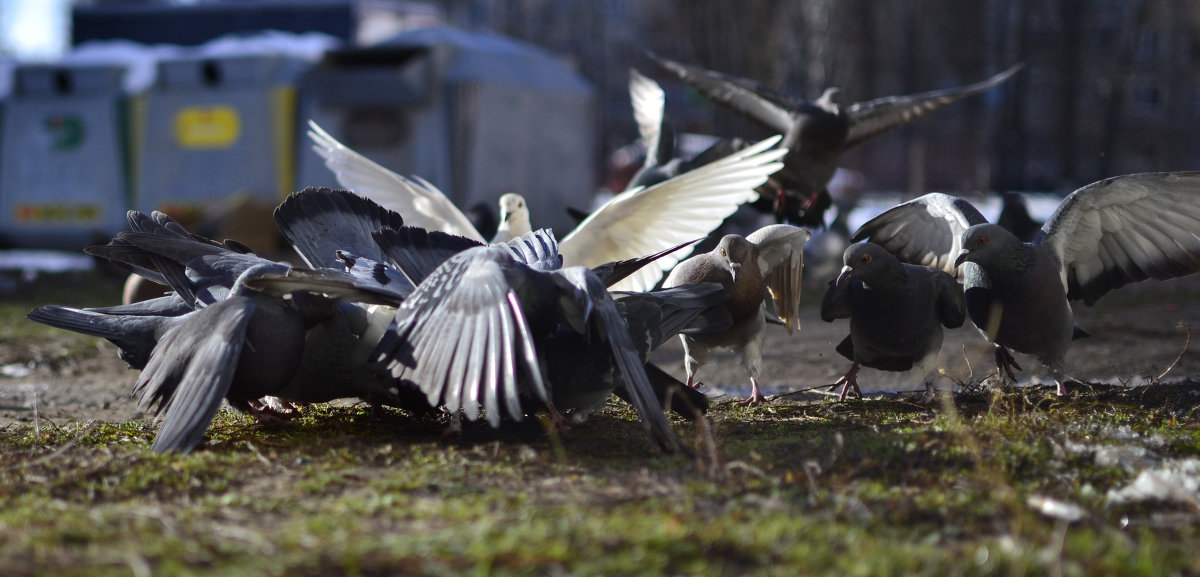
(191, 371)
(1126, 229)
(421, 203)
(463, 339)
(926, 230)
(689, 206)
(875, 117)
(781, 260)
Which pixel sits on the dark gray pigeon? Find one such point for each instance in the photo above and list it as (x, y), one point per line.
(485, 331)
(896, 311)
(135, 329)
(770, 259)
(1103, 236)
(242, 342)
(817, 133)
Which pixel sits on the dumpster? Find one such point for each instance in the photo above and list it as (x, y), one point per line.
(212, 128)
(63, 178)
(475, 113)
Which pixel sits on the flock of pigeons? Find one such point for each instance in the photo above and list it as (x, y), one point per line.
(401, 302)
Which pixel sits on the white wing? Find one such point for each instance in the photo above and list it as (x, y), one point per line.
(648, 102)
(419, 202)
(1126, 229)
(647, 220)
(781, 259)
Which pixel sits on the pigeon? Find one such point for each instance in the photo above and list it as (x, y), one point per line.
(1102, 236)
(816, 133)
(1014, 216)
(221, 338)
(135, 329)
(770, 259)
(896, 311)
(634, 223)
(499, 328)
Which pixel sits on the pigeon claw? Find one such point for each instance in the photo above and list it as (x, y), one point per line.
(848, 381)
(1005, 363)
(756, 397)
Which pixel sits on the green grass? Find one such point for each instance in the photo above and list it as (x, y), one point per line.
(876, 487)
(861, 488)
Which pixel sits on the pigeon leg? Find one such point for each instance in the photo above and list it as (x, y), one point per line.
(1005, 363)
(930, 393)
(561, 424)
(262, 414)
(756, 396)
(850, 379)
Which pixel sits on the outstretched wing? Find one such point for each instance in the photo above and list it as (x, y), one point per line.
(419, 202)
(318, 222)
(462, 337)
(781, 260)
(630, 363)
(872, 118)
(689, 206)
(746, 96)
(926, 230)
(1126, 229)
(191, 370)
(648, 102)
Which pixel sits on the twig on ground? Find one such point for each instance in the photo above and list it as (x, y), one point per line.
(1186, 343)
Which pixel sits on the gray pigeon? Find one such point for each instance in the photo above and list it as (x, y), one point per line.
(1103, 236)
(242, 342)
(817, 133)
(896, 311)
(502, 329)
(770, 259)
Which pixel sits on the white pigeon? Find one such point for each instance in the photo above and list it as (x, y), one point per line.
(634, 223)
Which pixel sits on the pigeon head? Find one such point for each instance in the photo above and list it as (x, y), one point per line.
(735, 251)
(831, 99)
(513, 209)
(865, 261)
(981, 242)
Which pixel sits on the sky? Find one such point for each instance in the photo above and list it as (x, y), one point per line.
(34, 29)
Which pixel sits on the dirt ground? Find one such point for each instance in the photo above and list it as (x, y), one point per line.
(1136, 335)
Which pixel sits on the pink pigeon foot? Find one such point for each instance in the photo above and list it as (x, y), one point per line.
(756, 396)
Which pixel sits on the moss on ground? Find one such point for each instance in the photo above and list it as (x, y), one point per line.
(877, 487)
(1011, 483)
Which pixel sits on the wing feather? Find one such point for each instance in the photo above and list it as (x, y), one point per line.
(1126, 229)
(419, 202)
(781, 259)
(683, 208)
(926, 230)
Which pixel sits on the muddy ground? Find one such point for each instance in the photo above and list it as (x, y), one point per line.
(1136, 335)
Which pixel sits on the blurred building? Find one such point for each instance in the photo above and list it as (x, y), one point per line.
(1110, 87)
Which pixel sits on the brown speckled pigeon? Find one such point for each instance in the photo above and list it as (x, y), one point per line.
(770, 259)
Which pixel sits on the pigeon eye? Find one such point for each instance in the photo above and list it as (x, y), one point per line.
(723, 252)
(982, 240)
(866, 258)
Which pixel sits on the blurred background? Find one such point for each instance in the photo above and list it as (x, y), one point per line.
(200, 107)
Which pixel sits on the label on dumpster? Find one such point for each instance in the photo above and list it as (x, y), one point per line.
(57, 212)
(207, 126)
(65, 131)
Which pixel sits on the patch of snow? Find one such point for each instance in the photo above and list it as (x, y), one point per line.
(1176, 480)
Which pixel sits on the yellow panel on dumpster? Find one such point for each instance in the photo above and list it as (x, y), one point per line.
(207, 126)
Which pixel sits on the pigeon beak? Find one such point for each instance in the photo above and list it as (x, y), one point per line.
(961, 258)
(842, 276)
(734, 269)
